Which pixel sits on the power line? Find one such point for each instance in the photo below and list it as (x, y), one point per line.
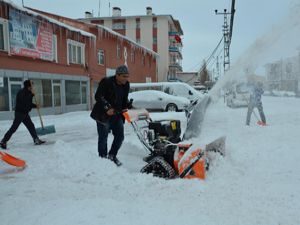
(208, 60)
(209, 57)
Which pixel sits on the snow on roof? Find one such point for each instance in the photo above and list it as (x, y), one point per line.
(151, 52)
(84, 33)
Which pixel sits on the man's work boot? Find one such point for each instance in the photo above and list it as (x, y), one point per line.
(38, 141)
(3, 145)
(114, 159)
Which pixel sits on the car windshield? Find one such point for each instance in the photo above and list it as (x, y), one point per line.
(242, 88)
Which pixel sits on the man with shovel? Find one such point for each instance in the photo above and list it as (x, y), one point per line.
(255, 101)
(23, 107)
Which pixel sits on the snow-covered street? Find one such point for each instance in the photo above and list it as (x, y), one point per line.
(66, 183)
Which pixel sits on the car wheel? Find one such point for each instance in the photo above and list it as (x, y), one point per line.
(171, 108)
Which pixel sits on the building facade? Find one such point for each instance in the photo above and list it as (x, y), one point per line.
(161, 33)
(65, 59)
(284, 75)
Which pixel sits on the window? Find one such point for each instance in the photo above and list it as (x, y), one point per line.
(54, 48)
(3, 35)
(75, 52)
(101, 57)
(43, 90)
(4, 99)
(132, 55)
(73, 95)
(154, 23)
(83, 92)
(119, 26)
(138, 24)
(118, 51)
(148, 79)
(155, 40)
(76, 92)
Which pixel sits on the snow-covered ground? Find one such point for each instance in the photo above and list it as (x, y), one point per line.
(257, 182)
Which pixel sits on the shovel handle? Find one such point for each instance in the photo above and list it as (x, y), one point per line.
(38, 110)
(40, 116)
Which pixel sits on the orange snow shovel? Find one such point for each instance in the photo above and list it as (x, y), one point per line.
(11, 160)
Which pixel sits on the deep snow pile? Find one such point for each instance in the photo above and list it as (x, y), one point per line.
(66, 183)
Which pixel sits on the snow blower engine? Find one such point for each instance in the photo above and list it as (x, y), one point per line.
(168, 157)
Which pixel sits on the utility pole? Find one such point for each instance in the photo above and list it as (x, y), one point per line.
(227, 33)
(99, 8)
(217, 67)
(226, 38)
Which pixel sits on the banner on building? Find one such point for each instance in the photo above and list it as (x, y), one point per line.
(29, 37)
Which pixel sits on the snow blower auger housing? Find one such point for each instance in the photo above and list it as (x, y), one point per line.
(168, 158)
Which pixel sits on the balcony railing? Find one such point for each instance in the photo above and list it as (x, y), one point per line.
(173, 49)
(173, 33)
(177, 66)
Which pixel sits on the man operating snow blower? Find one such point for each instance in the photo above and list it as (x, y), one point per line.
(111, 100)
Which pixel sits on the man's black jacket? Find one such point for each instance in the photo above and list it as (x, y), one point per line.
(24, 101)
(106, 98)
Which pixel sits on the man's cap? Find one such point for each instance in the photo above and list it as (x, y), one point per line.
(122, 70)
(27, 83)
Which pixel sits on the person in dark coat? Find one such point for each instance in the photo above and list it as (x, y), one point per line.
(255, 101)
(111, 100)
(23, 107)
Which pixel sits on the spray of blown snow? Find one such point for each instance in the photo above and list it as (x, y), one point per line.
(278, 41)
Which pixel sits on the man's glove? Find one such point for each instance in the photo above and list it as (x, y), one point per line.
(106, 106)
(129, 104)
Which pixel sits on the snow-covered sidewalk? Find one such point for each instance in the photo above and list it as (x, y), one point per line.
(66, 183)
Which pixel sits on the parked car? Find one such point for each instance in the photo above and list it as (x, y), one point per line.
(238, 96)
(201, 88)
(158, 100)
(173, 88)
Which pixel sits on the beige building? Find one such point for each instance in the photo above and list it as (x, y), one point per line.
(284, 75)
(161, 33)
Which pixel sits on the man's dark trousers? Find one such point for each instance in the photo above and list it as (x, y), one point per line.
(19, 118)
(116, 125)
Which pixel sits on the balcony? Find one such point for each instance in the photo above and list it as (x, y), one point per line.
(176, 54)
(173, 33)
(173, 49)
(175, 66)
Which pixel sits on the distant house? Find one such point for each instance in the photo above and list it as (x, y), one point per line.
(65, 58)
(188, 77)
(284, 75)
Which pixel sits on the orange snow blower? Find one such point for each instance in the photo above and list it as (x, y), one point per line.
(168, 157)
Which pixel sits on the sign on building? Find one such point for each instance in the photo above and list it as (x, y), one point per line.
(29, 36)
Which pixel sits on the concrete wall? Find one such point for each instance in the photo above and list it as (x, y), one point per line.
(163, 48)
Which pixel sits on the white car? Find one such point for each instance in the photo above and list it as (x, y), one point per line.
(173, 88)
(158, 100)
(238, 96)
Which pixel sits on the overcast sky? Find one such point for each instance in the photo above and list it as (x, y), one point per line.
(202, 28)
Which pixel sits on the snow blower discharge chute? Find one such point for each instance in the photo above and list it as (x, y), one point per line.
(168, 158)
